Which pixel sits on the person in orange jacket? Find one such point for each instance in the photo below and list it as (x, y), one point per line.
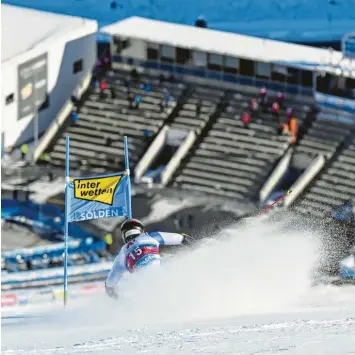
(293, 128)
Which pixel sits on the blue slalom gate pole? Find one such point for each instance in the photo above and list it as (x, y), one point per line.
(66, 223)
(129, 212)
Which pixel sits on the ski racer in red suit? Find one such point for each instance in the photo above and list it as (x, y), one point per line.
(140, 250)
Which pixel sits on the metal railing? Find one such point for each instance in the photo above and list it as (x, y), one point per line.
(206, 73)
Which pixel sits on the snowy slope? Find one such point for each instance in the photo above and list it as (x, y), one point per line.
(315, 20)
(248, 292)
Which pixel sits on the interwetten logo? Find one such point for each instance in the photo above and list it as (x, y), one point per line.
(97, 189)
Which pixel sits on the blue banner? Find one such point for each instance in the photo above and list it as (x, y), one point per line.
(98, 197)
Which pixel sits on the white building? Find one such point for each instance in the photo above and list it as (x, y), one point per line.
(45, 58)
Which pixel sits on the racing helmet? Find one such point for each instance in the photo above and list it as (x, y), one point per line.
(131, 228)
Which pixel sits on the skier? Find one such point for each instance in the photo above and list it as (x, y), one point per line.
(140, 250)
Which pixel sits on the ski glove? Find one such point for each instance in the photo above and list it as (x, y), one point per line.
(187, 240)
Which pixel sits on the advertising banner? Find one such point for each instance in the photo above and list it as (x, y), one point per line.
(32, 85)
(98, 197)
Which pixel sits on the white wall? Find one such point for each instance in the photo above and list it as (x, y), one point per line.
(137, 50)
(62, 52)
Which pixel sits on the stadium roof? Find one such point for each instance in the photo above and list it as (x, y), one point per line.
(23, 29)
(231, 44)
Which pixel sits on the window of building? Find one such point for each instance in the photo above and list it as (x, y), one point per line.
(247, 67)
(293, 76)
(200, 59)
(262, 70)
(350, 84)
(9, 99)
(152, 51)
(307, 78)
(167, 53)
(182, 55)
(78, 66)
(120, 44)
(215, 62)
(323, 83)
(278, 73)
(231, 65)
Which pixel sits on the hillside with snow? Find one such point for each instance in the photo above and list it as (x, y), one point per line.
(289, 20)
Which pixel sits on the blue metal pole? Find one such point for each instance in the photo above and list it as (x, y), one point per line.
(129, 197)
(66, 229)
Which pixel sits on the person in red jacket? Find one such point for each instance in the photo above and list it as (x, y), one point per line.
(275, 111)
(103, 88)
(254, 106)
(246, 119)
(280, 99)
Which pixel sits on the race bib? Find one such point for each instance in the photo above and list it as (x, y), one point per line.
(141, 256)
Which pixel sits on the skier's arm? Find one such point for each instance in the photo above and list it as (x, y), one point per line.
(164, 238)
(115, 274)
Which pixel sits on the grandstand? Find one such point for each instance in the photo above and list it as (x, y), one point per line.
(244, 156)
(106, 117)
(42, 66)
(173, 78)
(335, 183)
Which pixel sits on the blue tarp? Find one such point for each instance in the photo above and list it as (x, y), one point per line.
(44, 219)
(55, 250)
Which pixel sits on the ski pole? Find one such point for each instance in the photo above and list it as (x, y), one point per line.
(273, 204)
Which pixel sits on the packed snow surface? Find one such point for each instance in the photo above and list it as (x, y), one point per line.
(289, 20)
(246, 291)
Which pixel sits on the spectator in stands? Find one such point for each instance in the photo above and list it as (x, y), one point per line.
(126, 83)
(263, 99)
(147, 133)
(147, 87)
(74, 99)
(103, 85)
(172, 78)
(134, 74)
(280, 99)
(275, 111)
(293, 128)
(130, 99)
(167, 97)
(107, 63)
(254, 106)
(161, 78)
(246, 119)
(108, 241)
(95, 84)
(289, 113)
(43, 159)
(108, 141)
(137, 101)
(74, 114)
(198, 108)
(161, 106)
(24, 151)
(112, 92)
